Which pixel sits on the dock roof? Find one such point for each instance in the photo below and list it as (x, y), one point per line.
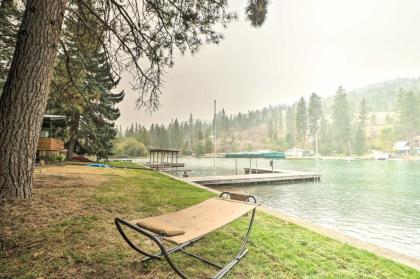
(257, 154)
(164, 150)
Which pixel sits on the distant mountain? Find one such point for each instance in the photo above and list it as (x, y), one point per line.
(274, 127)
(380, 96)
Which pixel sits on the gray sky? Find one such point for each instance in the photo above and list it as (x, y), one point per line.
(304, 46)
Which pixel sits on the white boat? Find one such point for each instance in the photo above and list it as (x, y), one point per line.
(378, 155)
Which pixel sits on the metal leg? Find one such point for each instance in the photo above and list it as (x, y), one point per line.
(164, 253)
(119, 221)
(230, 265)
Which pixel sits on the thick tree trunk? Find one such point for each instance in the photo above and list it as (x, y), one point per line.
(74, 129)
(25, 94)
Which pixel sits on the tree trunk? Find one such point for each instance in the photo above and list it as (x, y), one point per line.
(25, 94)
(74, 128)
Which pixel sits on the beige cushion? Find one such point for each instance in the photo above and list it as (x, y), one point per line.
(161, 228)
(196, 221)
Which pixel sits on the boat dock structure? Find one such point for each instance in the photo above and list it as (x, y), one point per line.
(163, 158)
(261, 177)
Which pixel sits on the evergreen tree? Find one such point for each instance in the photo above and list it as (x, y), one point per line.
(325, 137)
(90, 103)
(208, 144)
(280, 123)
(199, 145)
(314, 113)
(341, 122)
(176, 137)
(191, 130)
(301, 122)
(408, 119)
(9, 23)
(360, 135)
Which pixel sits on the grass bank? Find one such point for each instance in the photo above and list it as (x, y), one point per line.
(66, 231)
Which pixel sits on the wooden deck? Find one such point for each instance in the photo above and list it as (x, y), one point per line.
(258, 178)
(50, 144)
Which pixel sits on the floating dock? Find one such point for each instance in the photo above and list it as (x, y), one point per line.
(262, 170)
(280, 177)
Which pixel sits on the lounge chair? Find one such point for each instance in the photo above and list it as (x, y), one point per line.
(186, 226)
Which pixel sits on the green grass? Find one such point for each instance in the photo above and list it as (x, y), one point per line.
(69, 232)
(124, 164)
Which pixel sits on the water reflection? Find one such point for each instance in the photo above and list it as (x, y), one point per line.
(376, 201)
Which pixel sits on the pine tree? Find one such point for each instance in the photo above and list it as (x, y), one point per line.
(176, 137)
(408, 119)
(341, 122)
(360, 135)
(280, 122)
(199, 145)
(208, 144)
(191, 130)
(301, 122)
(290, 138)
(90, 105)
(325, 137)
(314, 113)
(9, 23)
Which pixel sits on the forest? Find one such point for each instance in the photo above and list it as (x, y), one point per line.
(354, 122)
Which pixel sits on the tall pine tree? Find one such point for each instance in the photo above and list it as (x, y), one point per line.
(314, 116)
(341, 122)
(301, 122)
(360, 134)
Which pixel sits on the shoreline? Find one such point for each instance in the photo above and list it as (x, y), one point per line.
(331, 233)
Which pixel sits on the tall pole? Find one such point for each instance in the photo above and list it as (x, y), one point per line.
(316, 143)
(215, 139)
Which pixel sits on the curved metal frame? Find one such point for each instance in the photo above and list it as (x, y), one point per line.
(165, 252)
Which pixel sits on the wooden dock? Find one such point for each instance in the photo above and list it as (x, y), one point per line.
(258, 178)
(263, 170)
(165, 165)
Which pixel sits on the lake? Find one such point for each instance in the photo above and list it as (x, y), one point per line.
(375, 201)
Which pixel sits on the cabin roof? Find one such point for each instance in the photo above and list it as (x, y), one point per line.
(257, 154)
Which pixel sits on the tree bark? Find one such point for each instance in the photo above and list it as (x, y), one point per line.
(25, 94)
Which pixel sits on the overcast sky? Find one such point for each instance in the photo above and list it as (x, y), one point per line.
(304, 46)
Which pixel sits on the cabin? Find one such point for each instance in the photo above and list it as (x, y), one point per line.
(298, 152)
(50, 141)
(402, 148)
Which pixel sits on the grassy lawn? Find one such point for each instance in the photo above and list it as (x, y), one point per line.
(66, 231)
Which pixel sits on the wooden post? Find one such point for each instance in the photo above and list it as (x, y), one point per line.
(256, 165)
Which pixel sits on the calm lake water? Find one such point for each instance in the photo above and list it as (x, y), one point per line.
(376, 201)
